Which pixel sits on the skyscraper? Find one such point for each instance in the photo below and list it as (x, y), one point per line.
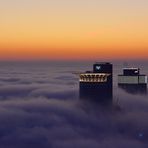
(97, 85)
(132, 81)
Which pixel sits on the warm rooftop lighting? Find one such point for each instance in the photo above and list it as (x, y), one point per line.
(94, 77)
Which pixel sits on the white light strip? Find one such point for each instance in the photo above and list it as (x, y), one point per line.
(146, 79)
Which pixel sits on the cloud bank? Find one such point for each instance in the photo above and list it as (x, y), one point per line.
(41, 109)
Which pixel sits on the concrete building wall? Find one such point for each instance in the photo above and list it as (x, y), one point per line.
(132, 79)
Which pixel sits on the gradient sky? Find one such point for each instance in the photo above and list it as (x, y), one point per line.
(73, 29)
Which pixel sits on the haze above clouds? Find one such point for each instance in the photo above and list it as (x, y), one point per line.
(39, 107)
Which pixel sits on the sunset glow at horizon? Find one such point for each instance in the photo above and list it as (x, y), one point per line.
(73, 29)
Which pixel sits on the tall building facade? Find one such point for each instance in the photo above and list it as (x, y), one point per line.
(132, 81)
(97, 85)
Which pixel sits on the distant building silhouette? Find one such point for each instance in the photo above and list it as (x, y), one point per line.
(132, 81)
(97, 85)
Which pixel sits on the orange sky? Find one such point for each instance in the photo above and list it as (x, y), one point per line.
(67, 29)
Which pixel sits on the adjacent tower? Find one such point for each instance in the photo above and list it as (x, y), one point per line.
(97, 85)
(132, 81)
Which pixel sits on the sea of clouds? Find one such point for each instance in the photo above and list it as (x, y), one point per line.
(40, 108)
